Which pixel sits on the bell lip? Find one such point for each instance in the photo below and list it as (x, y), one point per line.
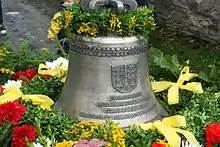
(111, 39)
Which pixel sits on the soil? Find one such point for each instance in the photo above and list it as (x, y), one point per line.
(28, 19)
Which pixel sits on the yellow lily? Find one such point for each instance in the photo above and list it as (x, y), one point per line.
(169, 127)
(173, 88)
(13, 93)
(43, 70)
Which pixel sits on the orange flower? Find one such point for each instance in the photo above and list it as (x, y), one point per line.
(159, 144)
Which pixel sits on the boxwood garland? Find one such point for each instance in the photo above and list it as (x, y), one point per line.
(104, 21)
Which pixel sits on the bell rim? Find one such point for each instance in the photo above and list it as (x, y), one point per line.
(110, 39)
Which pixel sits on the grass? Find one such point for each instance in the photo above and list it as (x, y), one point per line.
(200, 53)
(203, 56)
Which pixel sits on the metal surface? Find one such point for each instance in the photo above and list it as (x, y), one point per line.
(108, 78)
(116, 5)
(97, 4)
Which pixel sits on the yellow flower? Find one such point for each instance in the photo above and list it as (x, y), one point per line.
(55, 27)
(119, 24)
(85, 129)
(68, 18)
(110, 132)
(133, 20)
(93, 31)
(3, 53)
(119, 31)
(118, 135)
(114, 21)
(84, 28)
(132, 23)
(56, 24)
(66, 144)
(6, 71)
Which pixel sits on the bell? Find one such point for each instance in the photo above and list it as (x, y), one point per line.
(108, 79)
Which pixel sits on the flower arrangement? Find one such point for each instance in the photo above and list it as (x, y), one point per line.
(28, 119)
(103, 22)
(109, 132)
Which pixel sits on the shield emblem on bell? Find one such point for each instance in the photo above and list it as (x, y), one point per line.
(124, 77)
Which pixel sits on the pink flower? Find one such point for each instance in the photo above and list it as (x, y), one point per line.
(91, 143)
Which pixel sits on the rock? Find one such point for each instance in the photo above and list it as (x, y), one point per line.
(200, 18)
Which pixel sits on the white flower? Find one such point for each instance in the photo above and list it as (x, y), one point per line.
(11, 83)
(37, 145)
(187, 62)
(50, 65)
(187, 144)
(57, 63)
(61, 62)
(49, 143)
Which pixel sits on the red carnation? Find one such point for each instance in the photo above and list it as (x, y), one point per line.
(212, 134)
(158, 144)
(29, 74)
(12, 112)
(20, 134)
(1, 89)
(47, 76)
(19, 74)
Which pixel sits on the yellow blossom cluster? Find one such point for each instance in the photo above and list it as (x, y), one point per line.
(85, 28)
(68, 18)
(66, 144)
(85, 130)
(6, 71)
(132, 22)
(56, 24)
(89, 130)
(3, 52)
(117, 136)
(149, 22)
(115, 23)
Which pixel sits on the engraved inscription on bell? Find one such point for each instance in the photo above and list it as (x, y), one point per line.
(121, 107)
(119, 116)
(124, 77)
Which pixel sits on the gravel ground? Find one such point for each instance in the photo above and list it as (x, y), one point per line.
(28, 19)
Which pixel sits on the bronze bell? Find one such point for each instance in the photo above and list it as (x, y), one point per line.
(108, 78)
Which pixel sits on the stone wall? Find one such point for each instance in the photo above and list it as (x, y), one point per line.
(200, 18)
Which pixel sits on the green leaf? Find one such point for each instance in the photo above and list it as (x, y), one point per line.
(5, 133)
(167, 62)
(204, 76)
